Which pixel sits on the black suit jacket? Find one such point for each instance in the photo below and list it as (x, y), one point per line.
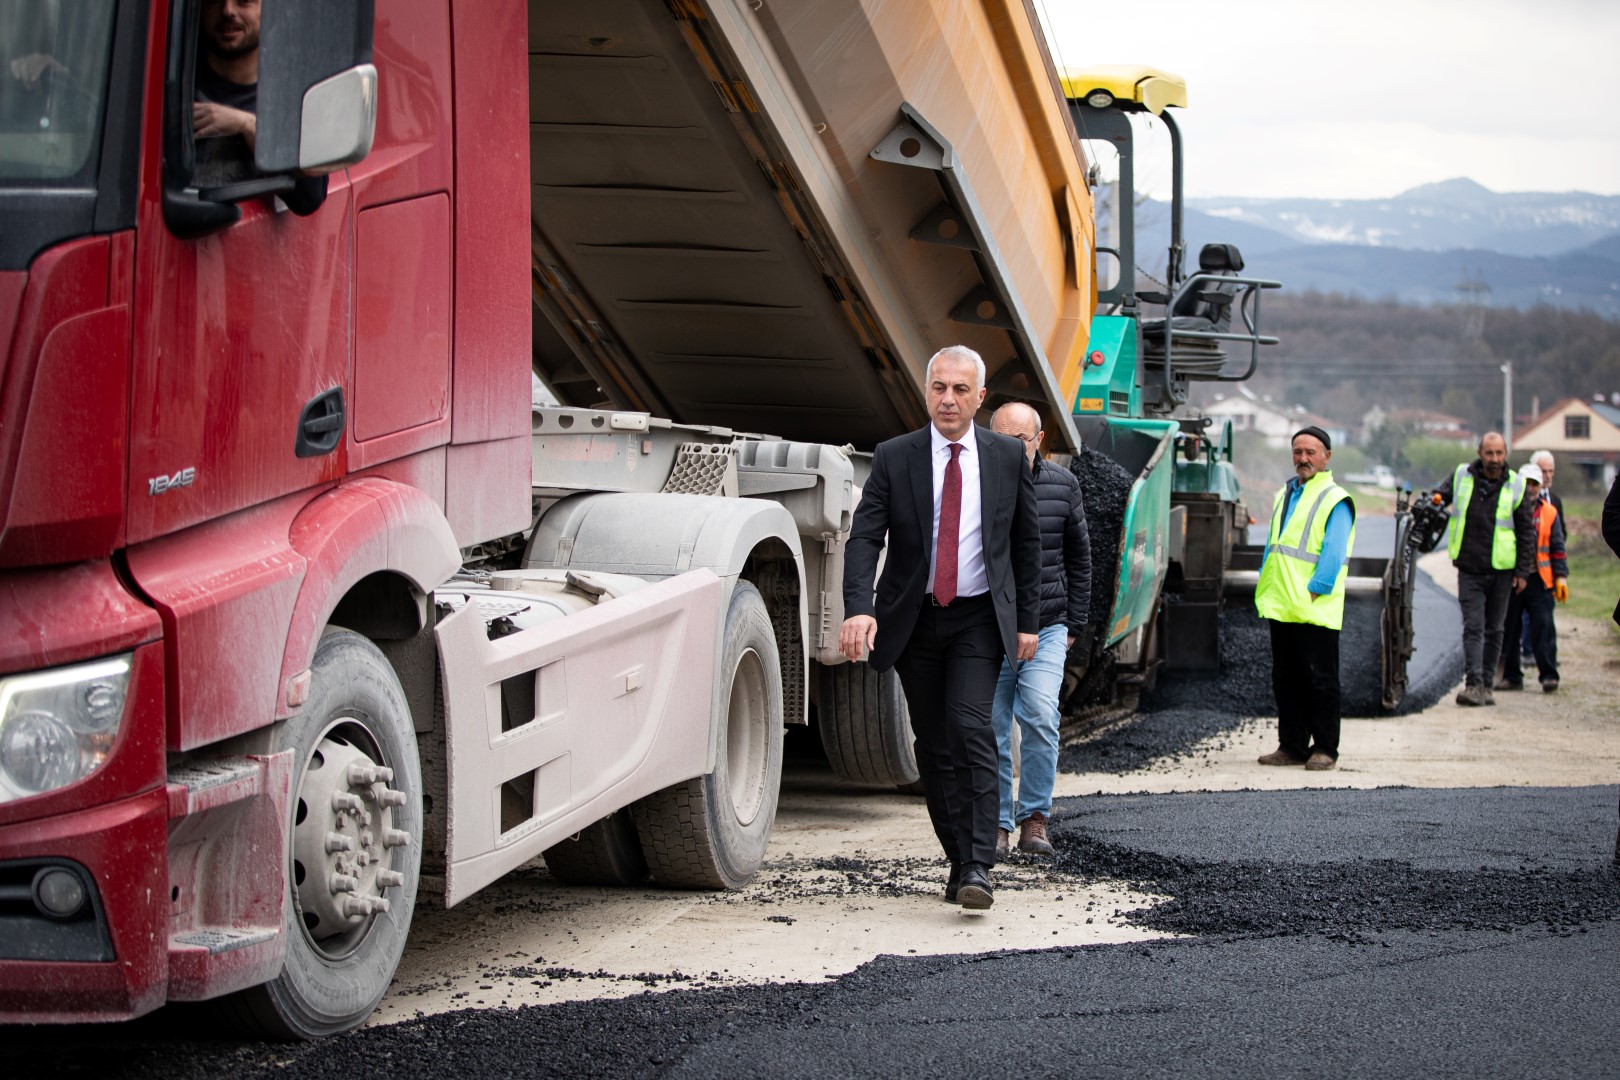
(897, 503)
(1611, 528)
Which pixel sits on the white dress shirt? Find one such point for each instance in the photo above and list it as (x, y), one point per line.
(971, 579)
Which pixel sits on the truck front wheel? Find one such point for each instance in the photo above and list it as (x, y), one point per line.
(355, 848)
(711, 832)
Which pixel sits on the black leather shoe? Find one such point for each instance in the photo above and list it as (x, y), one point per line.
(953, 884)
(974, 892)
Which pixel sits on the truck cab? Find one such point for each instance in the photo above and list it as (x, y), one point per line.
(223, 391)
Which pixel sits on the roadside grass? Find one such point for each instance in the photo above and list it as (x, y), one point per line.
(1372, 501)
(1594, 572)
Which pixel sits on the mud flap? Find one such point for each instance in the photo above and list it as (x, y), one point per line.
(552, 728)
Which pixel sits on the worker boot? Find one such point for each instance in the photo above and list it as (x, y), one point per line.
(1032, 836)
(1003, 845)
(1471, 696)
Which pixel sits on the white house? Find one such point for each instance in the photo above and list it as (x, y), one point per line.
(1431, 424)
(1585, 434)
(1249, 411)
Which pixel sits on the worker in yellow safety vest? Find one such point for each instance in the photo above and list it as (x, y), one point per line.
(1547, 586)
(1491, 538)
(1301, 592)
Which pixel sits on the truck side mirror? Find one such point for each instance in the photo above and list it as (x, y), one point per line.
(317, 86)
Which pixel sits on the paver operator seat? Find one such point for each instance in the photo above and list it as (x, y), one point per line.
(1205, 308)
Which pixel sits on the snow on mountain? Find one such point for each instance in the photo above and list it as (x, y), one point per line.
(1451, 215)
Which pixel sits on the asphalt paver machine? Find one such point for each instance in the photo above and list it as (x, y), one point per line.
(1183, 551)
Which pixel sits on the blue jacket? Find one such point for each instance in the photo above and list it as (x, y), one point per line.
(1335, 541)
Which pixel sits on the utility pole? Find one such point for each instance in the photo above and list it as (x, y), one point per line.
(1507, 405)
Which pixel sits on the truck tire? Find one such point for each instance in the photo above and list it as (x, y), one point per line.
(606, 852)
(711, 832)
(356, 778)
(865, 726)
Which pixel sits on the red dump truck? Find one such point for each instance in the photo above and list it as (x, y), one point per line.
(307, 608)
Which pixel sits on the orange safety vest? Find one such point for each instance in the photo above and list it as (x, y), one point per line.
(1545, 516)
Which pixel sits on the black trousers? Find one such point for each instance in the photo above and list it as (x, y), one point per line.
(1484, 602)
(948, 671)
(1305, 680)
(1538, 602)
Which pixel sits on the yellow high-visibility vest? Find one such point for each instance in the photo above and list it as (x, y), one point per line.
(1292, 553)
(1504, 542)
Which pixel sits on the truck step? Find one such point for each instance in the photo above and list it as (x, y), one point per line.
(220, 939)
(205, 784)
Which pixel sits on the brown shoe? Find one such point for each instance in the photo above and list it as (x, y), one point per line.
(1032, 836)
(1471, 696)
(1280, 756)
(1320, 762)
(1003, 844)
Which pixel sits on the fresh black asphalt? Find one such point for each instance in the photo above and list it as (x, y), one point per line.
(1189, 710)
(1395, 932)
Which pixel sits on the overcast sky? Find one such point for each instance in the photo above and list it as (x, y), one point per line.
(1368, 99)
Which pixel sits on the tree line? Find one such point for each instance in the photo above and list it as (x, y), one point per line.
(1340, 356)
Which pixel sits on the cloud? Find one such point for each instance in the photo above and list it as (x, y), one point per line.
(1370, 99)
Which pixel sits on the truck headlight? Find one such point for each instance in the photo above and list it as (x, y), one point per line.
(57, 727)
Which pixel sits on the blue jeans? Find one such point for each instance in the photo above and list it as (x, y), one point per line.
(1031, 697)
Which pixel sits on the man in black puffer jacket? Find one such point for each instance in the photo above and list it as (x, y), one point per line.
(1029, 695)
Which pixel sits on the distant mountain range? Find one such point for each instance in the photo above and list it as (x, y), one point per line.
(1420, 246)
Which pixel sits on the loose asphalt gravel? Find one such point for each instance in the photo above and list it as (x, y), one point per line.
(1370, 933)
(1105, 489)
(1183, 710)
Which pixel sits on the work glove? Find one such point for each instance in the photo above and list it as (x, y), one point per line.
(1561, 590)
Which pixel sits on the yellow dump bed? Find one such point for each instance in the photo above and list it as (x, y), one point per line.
(768, 216)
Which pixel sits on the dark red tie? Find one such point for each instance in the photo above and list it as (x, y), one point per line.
(950, 522)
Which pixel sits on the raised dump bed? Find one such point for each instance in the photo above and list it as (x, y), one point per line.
(767, 218)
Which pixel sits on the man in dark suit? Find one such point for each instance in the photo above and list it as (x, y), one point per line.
(955, 506)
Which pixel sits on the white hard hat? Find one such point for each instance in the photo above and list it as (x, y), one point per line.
(1530, 472)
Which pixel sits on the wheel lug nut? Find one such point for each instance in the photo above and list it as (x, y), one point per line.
(390, 797)
(385, 774)
(368, 839)
(342, 800)
(364, 905)
(388, 879)
(342, 883)
(336, 842)
(393, 838)
(361, 775)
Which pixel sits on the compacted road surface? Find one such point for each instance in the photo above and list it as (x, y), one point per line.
(1385, 932)
(1446, 902)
